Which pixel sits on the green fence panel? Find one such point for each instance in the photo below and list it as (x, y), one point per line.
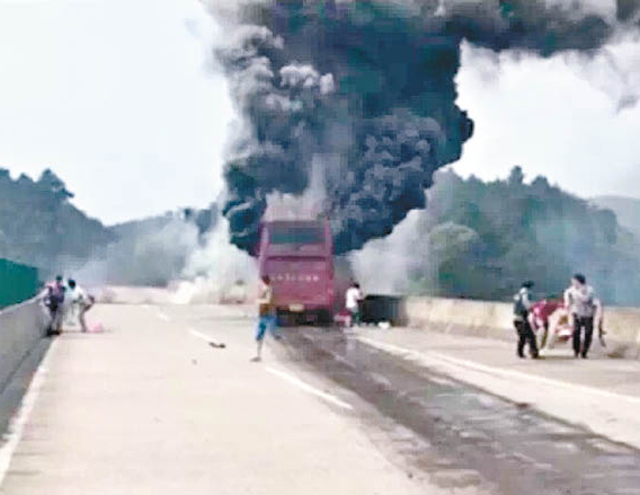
(18, 283)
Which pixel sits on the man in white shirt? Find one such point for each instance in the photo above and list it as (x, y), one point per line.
(353, 300)
(79, 303)
(582, 304)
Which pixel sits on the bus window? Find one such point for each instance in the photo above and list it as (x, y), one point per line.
(285, 234)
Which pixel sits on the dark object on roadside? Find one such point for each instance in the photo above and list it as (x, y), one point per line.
(377, 309)
(215, 345)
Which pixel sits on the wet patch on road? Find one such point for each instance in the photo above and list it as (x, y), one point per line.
(467, 438)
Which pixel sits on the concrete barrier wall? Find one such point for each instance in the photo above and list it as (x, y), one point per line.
(22, 328)
(495, 320)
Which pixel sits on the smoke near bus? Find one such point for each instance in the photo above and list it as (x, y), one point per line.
(372, 85)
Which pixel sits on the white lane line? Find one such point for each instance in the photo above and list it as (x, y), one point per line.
(201, 335)
(293, 380)
(209, 340)
(441, 381)
(163, 316)
(19, 420)
(499, 372)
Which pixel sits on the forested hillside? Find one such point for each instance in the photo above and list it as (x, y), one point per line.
(40, 227)
(626, 209)
(475, 240)
(481, 240)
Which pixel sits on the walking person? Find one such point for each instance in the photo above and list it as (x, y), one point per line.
(521, 308)
(266, 314)
(580, 300)
(353, 303)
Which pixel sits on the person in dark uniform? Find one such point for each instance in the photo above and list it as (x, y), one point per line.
(521, 308)
(54, 300)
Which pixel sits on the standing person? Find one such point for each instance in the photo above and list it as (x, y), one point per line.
(521, 308)
(353, 301)
(54, 300)
(266, 314)
(580, 300)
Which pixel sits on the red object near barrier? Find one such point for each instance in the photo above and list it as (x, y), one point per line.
(297, 255)
(343, 318)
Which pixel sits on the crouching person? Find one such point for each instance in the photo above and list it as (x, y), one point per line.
(80, 303)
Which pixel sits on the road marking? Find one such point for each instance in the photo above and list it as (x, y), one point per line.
(441, 381)
(341, 359)
(207, 339)
(201, 335)
(498, 372)
(19, 420)
(523, 457)
(308, 388)
(162, 316)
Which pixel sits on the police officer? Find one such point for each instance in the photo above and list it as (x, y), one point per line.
(522, 306)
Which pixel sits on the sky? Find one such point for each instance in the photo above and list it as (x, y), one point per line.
(121, 99)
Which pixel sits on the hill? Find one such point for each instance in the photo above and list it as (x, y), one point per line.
(40, 227)
(627, 211)
(481, 240)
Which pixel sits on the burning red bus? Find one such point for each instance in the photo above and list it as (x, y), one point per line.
(297, 255)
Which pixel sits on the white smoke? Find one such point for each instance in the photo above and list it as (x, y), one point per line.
(616, 70)
(217, 272)
(384, 266)
(147, 255)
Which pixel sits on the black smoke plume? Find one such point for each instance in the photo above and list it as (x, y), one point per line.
(366, 88)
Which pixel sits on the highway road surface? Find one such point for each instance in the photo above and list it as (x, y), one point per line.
(149, 406)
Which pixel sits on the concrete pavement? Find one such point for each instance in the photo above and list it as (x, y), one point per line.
(485, 429)
(601, 394)
(148, 407)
